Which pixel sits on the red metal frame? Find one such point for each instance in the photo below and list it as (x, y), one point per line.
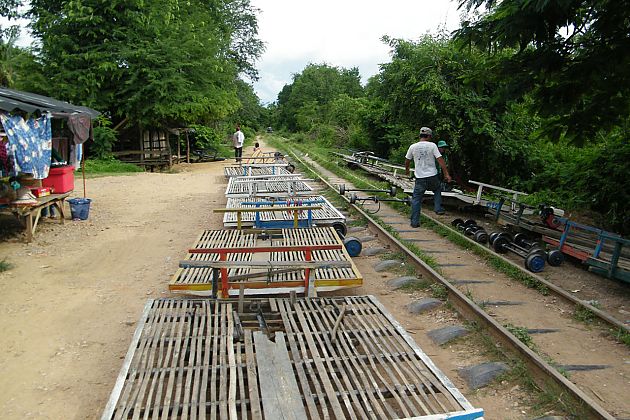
(223, 253)
(568, 249)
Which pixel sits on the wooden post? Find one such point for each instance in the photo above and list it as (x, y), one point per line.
(141, 147)
(168, 148)
(224, 278)
(187, 148)
(241, 298)
(179, 148)
(82, 171)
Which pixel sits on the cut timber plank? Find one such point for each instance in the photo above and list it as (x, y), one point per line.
(280, 393)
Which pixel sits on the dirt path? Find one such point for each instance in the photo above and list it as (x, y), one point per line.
(70, 303)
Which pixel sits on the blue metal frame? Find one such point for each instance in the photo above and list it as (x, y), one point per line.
(280, 224)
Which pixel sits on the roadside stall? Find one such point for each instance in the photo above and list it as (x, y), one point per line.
(41, 144)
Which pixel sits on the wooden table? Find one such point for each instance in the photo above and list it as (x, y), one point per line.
(29, 215)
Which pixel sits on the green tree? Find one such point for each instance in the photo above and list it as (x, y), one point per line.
(317, 84)
(572, 55)
(153, 63)
(432, 83)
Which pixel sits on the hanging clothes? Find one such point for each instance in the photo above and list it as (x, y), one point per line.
(30, 143)
(80, 125)
(6, 161)
(76, 154)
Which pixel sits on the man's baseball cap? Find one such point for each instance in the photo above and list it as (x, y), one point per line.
(442, 143)
(426, 130)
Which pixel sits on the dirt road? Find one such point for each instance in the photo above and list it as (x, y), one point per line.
(70, 303)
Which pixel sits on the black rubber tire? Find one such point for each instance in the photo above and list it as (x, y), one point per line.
(555, 257)
(456, 222)
(521, 240)
(537, 251)
(481, 236)
(341, 229)
(500, 243)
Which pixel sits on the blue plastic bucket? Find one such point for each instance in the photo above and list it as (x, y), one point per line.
(79, 208)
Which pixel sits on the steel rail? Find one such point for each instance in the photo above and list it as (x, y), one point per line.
(543, 373)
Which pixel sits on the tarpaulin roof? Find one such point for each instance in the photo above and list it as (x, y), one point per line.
(11, 100)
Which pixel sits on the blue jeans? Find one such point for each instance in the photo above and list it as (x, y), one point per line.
(431, 183)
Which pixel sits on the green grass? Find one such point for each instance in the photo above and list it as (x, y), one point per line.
(416, 286)
(621, 335)
(522, 334)
(109, 166)
(583, 314)
(5, 265)
(438, 291)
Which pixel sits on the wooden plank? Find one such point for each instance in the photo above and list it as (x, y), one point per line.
(223, 367)
(279, 388)
(423, 368)
(176, 343)
(252, 378)
(231, 363)
(215, 361)
(365, 325)
(284, 308)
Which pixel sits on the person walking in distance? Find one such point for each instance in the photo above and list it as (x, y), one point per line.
(424, 154)
(237, 139)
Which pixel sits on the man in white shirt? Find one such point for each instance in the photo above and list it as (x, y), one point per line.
(237, 139)
(424, 154)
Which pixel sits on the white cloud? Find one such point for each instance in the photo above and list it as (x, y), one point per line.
(344, 33)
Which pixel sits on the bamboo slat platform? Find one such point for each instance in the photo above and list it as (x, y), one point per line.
(297, 245)
(342, 357)
(255, 170)
(327, 215)
(267, 185)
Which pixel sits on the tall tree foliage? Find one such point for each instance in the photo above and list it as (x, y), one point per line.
(573, 55)
(305, 102)
(155, 62)
(432, 83)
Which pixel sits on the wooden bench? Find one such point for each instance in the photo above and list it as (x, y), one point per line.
(29, 215)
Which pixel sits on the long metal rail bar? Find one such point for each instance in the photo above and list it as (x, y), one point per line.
(544, 374)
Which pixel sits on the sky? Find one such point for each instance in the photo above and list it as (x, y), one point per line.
(343, 33)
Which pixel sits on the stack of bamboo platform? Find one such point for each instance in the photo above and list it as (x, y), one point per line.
(276, 358)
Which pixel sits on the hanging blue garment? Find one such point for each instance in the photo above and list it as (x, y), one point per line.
(30, 143)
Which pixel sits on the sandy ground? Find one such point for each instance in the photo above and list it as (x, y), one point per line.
(70, 303)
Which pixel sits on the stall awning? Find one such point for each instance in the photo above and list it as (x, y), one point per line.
(11, 100)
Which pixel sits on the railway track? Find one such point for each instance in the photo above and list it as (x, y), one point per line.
(597, 365)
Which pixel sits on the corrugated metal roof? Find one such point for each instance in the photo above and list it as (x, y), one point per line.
(11, 100)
